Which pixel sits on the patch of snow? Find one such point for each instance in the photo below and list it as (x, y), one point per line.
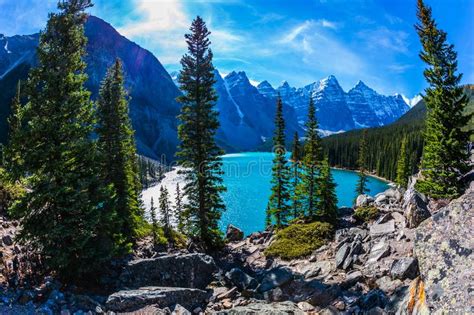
(412, 101)
(326, 133)
(237, 107)
(171, 179)
(6, 48)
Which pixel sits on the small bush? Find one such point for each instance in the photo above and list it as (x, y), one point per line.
(366, 214)
(300, 240)
(9, 191)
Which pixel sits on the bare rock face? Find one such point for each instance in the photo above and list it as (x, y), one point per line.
(275, 308)
(415, 206)
(234, 234)
(134, 300)
(187, 271)
(444, 248)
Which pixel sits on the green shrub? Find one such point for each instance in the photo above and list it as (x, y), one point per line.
(300, 240)
(366, 214)
(9, 191)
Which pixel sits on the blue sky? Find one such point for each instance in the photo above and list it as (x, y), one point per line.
(299, 40)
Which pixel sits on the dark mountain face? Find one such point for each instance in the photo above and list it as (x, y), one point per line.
(153, 108)
(257, 110)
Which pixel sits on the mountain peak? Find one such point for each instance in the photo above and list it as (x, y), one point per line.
(361, 85)
(264, 84)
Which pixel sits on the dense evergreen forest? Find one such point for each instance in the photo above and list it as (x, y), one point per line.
(384, 142)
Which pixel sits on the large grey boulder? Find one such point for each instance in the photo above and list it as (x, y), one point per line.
(241, 280)
(274, 278)
(187, 271)
(379, 251)
(382, 228)
(444, 247)
(364, 201)
(404, 268)
(415, 205)
(275, 308)
(161, 297)
(234, 234)
(341, 254)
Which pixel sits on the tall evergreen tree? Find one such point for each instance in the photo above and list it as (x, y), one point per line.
(119, 165)
(296, 161)
(311, 160)
(326, 192)
(62, 212)
(198, 151)
(444, 155)
(403, 168)
(280, 196)
(268, 216)
(12, 152)
(154, 222)
(165, 212)
(178, 210)
(361, 187)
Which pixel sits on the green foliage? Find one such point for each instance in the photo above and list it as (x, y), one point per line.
(280, 196)
(326, 192)
(179, 211)
(198, 152)
(402, 166)
(150, 171)
(118, 159)
(10, 191)
(444, 155)
(311, 160)
(11, 153)
(154, 222)
(299, 240)
(296, 180)
(165, 212)
(366, 214)
(361, 187)
(383, 145)
(62, 212)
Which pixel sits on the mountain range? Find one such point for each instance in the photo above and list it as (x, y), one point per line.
(246, 112)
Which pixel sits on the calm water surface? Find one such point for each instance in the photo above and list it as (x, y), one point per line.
(247, 178)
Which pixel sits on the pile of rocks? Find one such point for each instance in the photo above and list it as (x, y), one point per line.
(367, 268)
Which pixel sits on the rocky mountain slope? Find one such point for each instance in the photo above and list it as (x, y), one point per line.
(153, 108)
(337, 110)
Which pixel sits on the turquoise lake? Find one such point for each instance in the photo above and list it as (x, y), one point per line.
(247, 178)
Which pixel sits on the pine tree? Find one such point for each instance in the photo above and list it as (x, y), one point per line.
(179, 213)
(268, 217)
(311, 161)
(12, 152)
(119, 165)
(154, 222)
(403, 170)
(361, 187)
(444, 155)
(280, 196)
(198, 152)
(326, 192)
(165, 212)
(63, 211)
(296, 161)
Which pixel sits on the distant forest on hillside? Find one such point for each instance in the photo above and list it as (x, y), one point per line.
(384, 142)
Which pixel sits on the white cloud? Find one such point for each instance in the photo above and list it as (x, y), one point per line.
(328, 24)
(382, 37)
(399, 68)
(321, 50)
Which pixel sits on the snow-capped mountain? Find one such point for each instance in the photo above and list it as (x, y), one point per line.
(412, 101)
(337, 110)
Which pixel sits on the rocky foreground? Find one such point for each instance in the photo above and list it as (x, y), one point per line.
(414, 258)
